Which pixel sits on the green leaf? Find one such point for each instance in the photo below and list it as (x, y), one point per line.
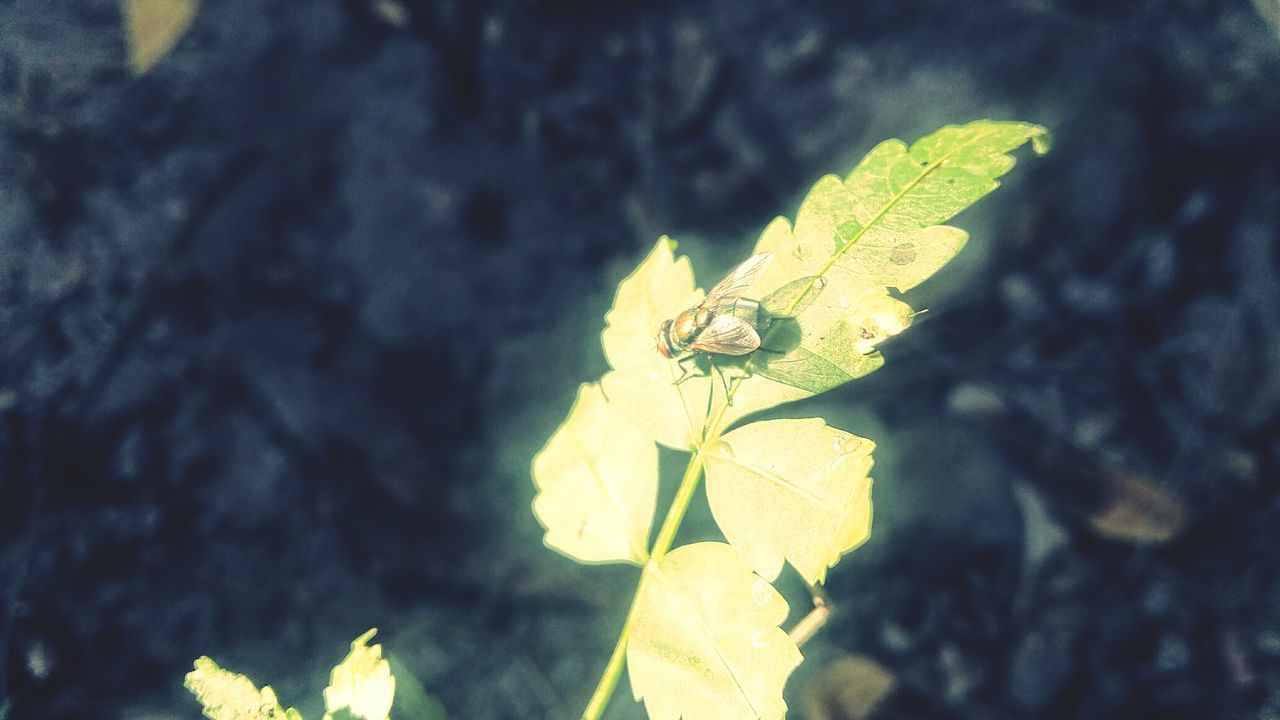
(791, 489)
(597, 481)
(362, 684)
(705, 642)
(412, 700)
(876, 229)
(643, 382)
(153, 27)
(226, 695)
(4, 709)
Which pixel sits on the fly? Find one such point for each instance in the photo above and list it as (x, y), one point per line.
(724, 323)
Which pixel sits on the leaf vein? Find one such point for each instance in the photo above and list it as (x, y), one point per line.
(639, 551)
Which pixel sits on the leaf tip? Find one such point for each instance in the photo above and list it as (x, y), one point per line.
(362, 684)
(1041, 141)
(363, 640)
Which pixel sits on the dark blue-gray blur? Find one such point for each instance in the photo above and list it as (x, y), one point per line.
(284, 320)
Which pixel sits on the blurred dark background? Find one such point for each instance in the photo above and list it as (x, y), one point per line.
(283, 321)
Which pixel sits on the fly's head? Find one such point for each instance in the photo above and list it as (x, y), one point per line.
(664, 341)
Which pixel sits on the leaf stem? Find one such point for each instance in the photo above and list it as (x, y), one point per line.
(666, 536)
(613, 671)
(679, 504)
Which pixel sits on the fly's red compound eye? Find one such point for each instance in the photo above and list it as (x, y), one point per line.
(663, 343)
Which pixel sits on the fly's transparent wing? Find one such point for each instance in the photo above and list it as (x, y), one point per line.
(737, 281)
(727, 335)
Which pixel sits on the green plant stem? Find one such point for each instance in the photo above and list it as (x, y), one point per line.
(666, 536)
(613, 671)
(679, 504)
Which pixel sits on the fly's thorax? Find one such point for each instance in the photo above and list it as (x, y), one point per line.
(685, 327)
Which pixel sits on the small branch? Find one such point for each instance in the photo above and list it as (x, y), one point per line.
(811, 623)
(666, 536)
(680, 504)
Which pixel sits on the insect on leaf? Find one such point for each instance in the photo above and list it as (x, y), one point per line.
(226, 695)
(597, 481)
(794, 490)
(808, 311)
(705, 641)
(643, 382)
(361, 686)
(153, 27)
(877, 228)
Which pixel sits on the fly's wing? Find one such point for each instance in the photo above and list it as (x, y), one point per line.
(727, 335)
(737, 281)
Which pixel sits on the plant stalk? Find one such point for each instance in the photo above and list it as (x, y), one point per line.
(666, 536)
(613, 671)
(679, 504)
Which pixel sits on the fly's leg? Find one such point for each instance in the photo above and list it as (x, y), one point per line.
(728, 396)
(711, 394)
(689, 369)
(711, 389)
(685, 372)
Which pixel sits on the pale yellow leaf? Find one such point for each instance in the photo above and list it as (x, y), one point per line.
(644, 382)
(668, 413)
(226, 695)
(597, 481)
(793, 490)
(658, 289)
(153, 27)
(361, 684)
(705, 641)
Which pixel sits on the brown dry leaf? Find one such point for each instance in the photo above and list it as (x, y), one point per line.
(1139, 512)
(392, 12)
(153, 27)
(851, 688)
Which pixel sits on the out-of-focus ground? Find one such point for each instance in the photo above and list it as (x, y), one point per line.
(283, 322)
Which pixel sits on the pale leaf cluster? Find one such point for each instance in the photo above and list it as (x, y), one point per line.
(226, 695)
(704, 640)
(362, 683)
(361, 687)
